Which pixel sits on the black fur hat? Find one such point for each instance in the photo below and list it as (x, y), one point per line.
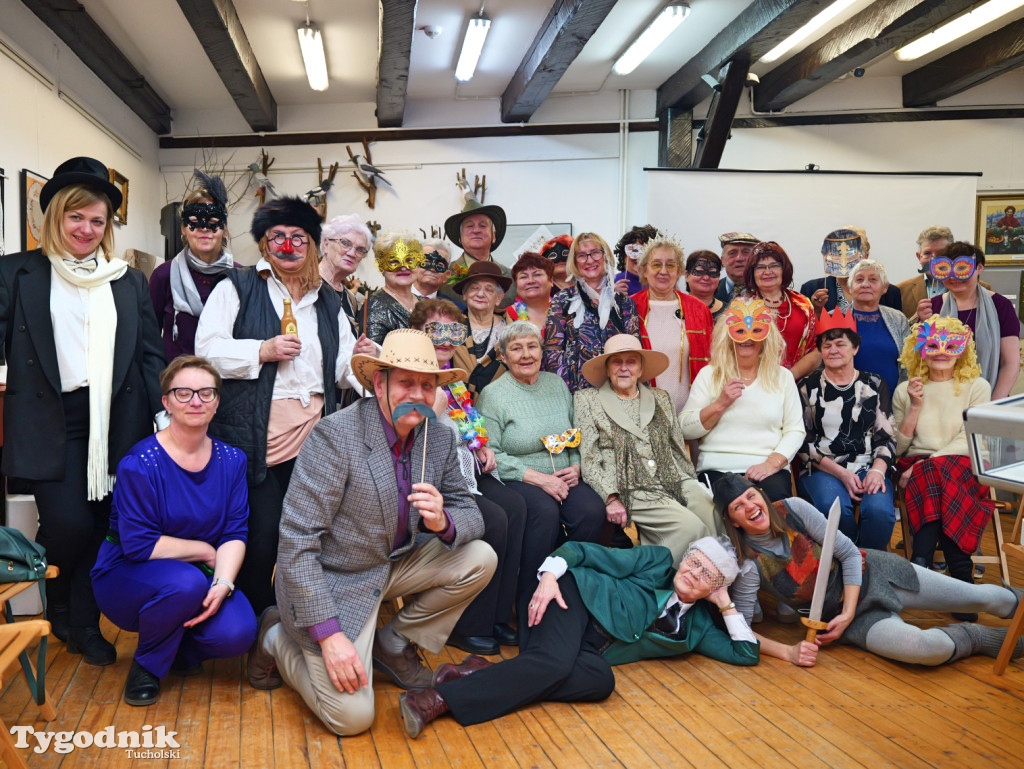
(290, 212)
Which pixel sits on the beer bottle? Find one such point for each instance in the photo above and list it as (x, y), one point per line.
(288, 324)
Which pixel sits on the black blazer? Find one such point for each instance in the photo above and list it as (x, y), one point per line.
(34, 430)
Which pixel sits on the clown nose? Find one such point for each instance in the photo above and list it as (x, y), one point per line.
(286, 247)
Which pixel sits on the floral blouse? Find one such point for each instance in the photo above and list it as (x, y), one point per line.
(852, 427)
(567, 348)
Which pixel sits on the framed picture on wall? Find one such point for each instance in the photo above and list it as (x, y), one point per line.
(32, 213)
(999, 228)
(121, 182)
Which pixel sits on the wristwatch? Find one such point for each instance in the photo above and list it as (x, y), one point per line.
(222, 581)
(726, 608)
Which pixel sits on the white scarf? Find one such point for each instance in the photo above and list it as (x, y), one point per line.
(101, 328)
(184, 294)
(605, 302)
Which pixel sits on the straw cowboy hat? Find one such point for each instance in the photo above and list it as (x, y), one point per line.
(595, 369)
(406, 349)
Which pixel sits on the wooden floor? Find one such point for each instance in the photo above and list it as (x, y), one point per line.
(852, 710)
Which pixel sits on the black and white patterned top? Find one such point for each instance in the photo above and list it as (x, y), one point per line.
(852, 426)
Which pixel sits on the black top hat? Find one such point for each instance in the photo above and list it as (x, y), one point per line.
(85, 171)
(453, 224)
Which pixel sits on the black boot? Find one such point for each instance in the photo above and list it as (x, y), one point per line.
(961, 567)
(89, 642)
(142, 687)
(57, 614)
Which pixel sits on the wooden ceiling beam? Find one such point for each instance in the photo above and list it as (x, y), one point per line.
(397, 24)
(976, 63)
(567, 28)
(220, 32)
(758, 29)
(878, 29)
(71, 23)
(718, 123)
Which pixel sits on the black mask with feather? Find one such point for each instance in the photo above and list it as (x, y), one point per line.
(207, 216)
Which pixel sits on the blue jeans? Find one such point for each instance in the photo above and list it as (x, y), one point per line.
(877, 515)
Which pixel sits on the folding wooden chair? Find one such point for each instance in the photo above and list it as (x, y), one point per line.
(15, 638)
(994, 522)
(1015, 550)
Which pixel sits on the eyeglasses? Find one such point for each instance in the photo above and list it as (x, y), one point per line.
(345, 246)
(767, 267)
(278, 239)
(659, 266)
(590, 256)
(700, 272)
(185, 394)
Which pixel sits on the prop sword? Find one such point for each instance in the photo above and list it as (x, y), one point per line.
(813, 620)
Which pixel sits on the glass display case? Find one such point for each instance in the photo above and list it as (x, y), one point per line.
(995, 439)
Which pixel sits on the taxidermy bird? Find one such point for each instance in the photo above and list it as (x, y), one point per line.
(366, 172)
(320, 189)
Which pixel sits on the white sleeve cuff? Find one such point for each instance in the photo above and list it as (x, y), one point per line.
(738, 628)
(553, 564)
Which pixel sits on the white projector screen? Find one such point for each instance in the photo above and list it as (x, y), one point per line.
(798, 209)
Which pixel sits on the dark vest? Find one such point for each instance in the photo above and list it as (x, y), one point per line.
(791, 580)
(244, 411)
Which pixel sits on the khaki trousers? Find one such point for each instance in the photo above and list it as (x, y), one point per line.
(437, 583)
(660, 520)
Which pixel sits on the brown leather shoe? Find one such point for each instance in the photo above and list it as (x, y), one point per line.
(261, 667)
(468, 666)
(419, 707)
(406, 668)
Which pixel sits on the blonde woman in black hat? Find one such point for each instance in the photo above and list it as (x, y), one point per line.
(477, 230)
(83, 385)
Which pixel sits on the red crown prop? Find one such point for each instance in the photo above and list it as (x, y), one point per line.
(836, 319)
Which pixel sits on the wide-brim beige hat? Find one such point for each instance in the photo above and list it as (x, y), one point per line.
(408, 349)
(595, 369)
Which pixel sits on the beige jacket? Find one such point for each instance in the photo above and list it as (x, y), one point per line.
(596, 410)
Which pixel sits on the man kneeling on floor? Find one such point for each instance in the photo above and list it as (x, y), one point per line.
(613, 607)
(366, 519)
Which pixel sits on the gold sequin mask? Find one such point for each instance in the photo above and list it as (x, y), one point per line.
(403, 255)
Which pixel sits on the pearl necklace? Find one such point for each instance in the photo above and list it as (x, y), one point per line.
(841, 388)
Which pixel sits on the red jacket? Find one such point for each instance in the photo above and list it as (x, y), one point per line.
(698, 328)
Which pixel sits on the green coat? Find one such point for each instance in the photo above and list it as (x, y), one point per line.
(626, 590)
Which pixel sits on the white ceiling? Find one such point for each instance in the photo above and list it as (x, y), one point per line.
(156, 37)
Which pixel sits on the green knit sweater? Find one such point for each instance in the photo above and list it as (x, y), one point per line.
(519, 416)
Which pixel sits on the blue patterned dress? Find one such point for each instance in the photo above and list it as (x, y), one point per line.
(567, 348)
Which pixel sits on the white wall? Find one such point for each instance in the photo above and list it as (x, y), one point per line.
(40, 130)
(537, 179)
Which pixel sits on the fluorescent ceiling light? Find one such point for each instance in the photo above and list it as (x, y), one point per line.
(312, 46)
(664, 24)
(472, 45)
(958, 27)
(807, 30)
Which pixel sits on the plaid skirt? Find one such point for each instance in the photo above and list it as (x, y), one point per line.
(945, 489)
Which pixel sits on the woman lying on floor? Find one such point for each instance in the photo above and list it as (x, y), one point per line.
(616, 606)
(778, 546)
